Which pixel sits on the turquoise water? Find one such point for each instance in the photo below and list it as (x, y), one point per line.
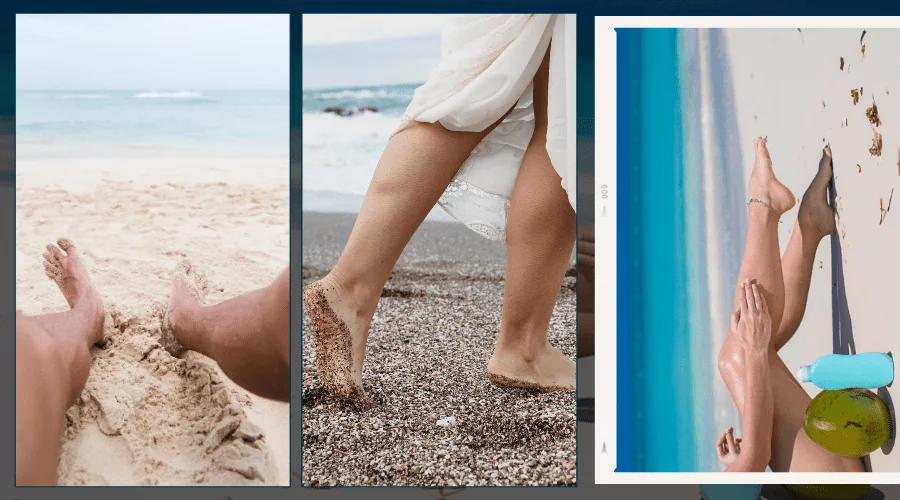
(253, 121)
(688, 222)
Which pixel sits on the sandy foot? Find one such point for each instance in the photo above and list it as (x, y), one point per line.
(551, 370)
(64, 266)
(763, 184)
(815, 212)
(188, 290)
(340, 340)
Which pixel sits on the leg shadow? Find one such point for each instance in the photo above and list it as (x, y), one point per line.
(842, 326)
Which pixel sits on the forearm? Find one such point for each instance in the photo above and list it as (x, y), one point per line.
(759, 411)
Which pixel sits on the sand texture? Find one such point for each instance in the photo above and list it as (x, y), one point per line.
(436, 419)
(792, 86)
(146, 417)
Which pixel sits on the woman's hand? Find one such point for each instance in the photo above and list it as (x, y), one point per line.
(728, 448)
(752, 323)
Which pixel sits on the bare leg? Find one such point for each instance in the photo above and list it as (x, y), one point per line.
(540, 235)
(52, 364)
(791, 447)
(415, 169)
(248, 336)
(814, 221)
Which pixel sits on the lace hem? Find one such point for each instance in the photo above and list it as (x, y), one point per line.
(481, 211)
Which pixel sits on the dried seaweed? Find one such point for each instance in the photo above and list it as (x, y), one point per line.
(854, 93)
(842, 64)
(875, 150)
(872, 115)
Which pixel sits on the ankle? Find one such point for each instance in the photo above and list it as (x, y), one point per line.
(524, 349)
(357, 295)
(187, 325)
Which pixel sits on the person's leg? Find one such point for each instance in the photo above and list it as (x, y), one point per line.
(815, 220)
(52, 364)
(248, 336)
(762, 262)
(792, 449)
(540, 236)
(414, 170)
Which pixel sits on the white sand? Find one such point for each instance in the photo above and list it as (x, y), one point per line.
(146, 418)
(781, 79)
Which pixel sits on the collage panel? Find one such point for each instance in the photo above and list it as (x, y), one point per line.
(439, 229)
(152, 250)
(762, 255)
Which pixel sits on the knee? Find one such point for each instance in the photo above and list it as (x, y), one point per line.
(731, 359)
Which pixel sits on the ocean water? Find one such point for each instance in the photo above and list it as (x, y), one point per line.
(686, 227)
(340, 152)
(98, 123)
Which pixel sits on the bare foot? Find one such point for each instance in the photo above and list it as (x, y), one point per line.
(763, 184)
(188, 290)
(63, 265)
(340, 331)
(815, 213)
(549, 370)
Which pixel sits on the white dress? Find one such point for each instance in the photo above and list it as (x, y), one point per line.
(487, 67)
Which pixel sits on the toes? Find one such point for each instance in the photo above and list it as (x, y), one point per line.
(52, 271)
(66, 245)
(55, 253)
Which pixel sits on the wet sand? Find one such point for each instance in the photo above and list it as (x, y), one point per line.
(436, 419)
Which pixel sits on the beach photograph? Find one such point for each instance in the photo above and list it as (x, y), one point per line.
(152, 250)
(761, 266)
(439, 263)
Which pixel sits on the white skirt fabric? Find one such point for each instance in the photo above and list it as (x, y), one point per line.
(487, 67)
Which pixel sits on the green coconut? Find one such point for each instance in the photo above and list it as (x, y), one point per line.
(851, 422)
(828, 491)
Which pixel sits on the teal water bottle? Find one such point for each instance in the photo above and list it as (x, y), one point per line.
(868, 370)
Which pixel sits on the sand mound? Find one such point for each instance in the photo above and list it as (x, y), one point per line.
(175, 418)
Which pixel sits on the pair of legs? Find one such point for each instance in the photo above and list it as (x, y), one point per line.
(415, 169)
(784, 281)
(248, 336)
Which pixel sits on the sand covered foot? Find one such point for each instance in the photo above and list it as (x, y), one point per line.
(765, 186)
(63, 265)
(188, 293)
(550, 370)
(340, 336)
(815, 213)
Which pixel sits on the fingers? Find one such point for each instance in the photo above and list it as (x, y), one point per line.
(720, 447)
(757, 299)
(742, 300)
(763, 306)
(729, 439)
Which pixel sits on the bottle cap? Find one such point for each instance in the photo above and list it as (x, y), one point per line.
(803, 374)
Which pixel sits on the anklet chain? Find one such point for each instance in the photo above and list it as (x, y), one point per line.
(759, 202)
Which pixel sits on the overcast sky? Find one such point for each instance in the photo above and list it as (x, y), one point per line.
(153, 52)
(348, 50)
